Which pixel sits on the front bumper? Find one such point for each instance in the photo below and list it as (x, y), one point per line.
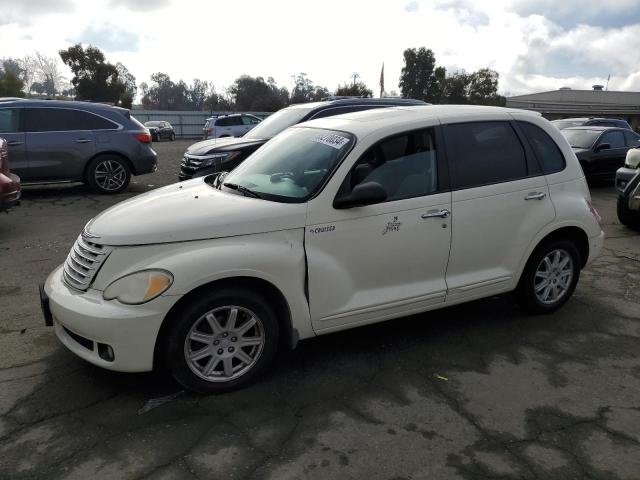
(84, 322)
(623, 176)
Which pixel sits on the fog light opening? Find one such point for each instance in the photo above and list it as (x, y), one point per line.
(106, 352)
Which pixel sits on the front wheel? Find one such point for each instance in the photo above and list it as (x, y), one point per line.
(172, 137)
(221, 342)
(108, 174)
(550, 276)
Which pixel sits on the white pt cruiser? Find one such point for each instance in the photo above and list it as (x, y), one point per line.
(335, 223)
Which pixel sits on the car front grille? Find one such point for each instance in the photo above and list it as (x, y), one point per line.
(190, 165)
(83, 262)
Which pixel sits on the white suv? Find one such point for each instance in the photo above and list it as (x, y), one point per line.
(334, 223)
(234, 125)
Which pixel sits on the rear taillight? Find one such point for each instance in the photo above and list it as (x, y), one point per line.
(594, 212)
(143, 137)
(210, 131)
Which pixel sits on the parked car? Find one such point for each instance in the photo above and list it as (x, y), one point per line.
(591, 122)
(628, 186)
(59, 141)
(601, 150)
(9, 182)
(334, 223)
(160, 129)
(214, 156)
(234, 125)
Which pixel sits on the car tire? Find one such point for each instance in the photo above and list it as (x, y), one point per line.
(108, 174)
(626, 216)
(172, 137)
(207, 356)
(547, 282)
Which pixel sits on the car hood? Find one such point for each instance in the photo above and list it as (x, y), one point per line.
(191, 210)
(227, 143)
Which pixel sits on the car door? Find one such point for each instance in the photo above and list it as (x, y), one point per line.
(608, 160)
(224, 127)
(11, 129)
(60, 142)
(380, 261)
(500, 201)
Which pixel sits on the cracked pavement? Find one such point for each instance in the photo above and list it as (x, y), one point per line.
(477, 391)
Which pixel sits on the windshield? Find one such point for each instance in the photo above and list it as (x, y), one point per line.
(291, 167)
(562, 124)
(277, 122)
(152, 124)
(581, 138)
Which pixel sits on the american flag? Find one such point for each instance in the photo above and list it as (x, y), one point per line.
(382, 81)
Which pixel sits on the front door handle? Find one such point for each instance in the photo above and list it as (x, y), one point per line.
(83, 140)
(444, 213)
(535, 196)
(14, 143)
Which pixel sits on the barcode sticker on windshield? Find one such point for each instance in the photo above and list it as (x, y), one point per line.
(331, 139)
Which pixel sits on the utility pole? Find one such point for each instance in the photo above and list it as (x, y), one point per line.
(355, 76)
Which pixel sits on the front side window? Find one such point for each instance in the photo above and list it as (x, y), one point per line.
(547, 152)
(615, 139)
(9, 120)
(57, 120)
(405, 166)
(293, 166)
(482, 153)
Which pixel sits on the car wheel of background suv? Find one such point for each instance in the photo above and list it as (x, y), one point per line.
(108, 174)
(172, 137)
(627, 217)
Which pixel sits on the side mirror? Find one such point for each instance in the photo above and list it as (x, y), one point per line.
(603, 146)
(363, 194)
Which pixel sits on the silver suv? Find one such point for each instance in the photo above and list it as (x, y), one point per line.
(57, 141)
(234, 125)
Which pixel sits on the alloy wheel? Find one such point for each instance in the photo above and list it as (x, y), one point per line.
(224, 343)
(553, 276)
(110, 175)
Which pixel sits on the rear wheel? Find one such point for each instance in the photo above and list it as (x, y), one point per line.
(550, 276)
(626, 216)
(108, 174)
(222, 342)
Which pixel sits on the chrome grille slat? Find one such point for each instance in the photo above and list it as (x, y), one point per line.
(83, 262)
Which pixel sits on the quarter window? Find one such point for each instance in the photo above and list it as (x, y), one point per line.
(482, 153)
(615, 139)
(405, 166)
(99, 123)
(547, 152)
(9, 120)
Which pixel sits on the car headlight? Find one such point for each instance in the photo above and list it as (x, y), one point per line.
(139, 287)
(211, 160)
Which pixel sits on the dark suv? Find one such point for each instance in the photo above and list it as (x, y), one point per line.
(58, 141)
(224, 154)
(591, 122)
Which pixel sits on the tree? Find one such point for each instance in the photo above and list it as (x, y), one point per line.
(417, 79)
(94, 78)
(48, 73)
(11, 83)
(255, 94)
(483, 88)
(197, 94)
(357, 89)
(130, 87)
(29, 67)
(305, 91)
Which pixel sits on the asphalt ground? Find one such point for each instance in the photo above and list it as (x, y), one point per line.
(477, 391)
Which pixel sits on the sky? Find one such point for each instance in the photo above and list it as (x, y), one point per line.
(535, 45)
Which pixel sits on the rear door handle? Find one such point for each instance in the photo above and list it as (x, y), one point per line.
(14, 143)
(444, 213)
(83, 140)
(535, 196)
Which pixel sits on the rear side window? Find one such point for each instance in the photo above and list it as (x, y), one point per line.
(632, 138)
(100, 123)
(223, 122)
(614, 139)
(57, 120)
(545, 149)
(9, 120)
(482, 153)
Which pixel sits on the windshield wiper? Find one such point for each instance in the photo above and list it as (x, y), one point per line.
(219, 178)
(244, 190)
